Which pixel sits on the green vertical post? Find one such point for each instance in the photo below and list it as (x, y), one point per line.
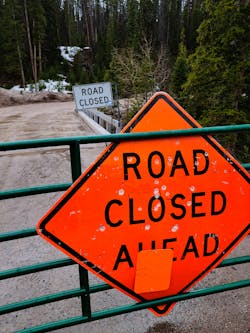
(118, 106)
(76, 170)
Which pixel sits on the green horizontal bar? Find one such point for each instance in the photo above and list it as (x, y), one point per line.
(11, 235)
(19, 271)
(51, 298)
(121, 137)
(171, 299)
(11, 273)
(234, 261)
(246, 165)
(135, 307)
(22, 192)
(77, 292)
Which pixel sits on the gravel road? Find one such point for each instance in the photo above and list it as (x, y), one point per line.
(227, 312)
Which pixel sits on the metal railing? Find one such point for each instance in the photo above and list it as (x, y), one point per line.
(85, 290)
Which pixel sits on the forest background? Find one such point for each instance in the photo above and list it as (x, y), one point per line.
(197, 50)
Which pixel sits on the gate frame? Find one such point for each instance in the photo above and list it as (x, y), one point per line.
(85, 290)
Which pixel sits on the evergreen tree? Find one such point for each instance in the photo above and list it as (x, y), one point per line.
(180, 72)
(12, 46)
(170, 25)
(52, 39)
(133, 24)
(147, 18)
(217, 87)
(193, 15)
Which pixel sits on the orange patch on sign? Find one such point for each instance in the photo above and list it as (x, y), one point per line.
(153, 270)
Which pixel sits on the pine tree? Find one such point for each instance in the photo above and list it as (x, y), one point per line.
(52, 39)
(147, 18)
(170, 24)
(193, 15)
(217, 87)
(133, 24)
(35, 21)
(12, 44)
(180, 72)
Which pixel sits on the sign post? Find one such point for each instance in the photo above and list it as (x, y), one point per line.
(152, 217)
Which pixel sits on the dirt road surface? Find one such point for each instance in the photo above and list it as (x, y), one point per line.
(227, 312)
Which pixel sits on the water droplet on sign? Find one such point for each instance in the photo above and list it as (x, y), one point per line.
(121, 192)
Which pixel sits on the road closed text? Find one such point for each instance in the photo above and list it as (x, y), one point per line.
(95, 96)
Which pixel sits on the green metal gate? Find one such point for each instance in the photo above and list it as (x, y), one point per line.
(85, 289)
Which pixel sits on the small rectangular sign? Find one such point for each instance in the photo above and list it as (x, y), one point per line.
(93, 95)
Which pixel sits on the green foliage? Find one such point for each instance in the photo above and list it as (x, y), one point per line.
(133, 71)
(133, 38)
(221, 62)
(217, 88)
(11, 34)
(180, 71)
(193, 15)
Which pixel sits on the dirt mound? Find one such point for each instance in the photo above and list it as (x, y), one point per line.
(8, 97)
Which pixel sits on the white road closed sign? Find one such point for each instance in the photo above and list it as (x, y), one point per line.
(93, 95)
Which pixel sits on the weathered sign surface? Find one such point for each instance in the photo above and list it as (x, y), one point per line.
(152, 217)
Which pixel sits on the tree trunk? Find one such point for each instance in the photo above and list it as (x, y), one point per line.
(29, 41)
(40, 57)
(21, 66)
(35, 69)
(19, 51)
(85, 15)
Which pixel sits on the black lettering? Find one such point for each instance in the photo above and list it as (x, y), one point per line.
(177, 205)
(153, 245)
(127, 165)
(162, 166)
(101, 100)
(95, 91)
(89, 91)
(106, 99)
(131, 213)
(150, 209)
(223, 203)
(179, 158)
(197, 204)
(190, 247)
(123, 256)
(107, 213)
(166, 241)
(83, 91)
(100, 90)
(208, 250)
(197, 171)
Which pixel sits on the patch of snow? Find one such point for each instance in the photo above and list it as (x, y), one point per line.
(68, 52)
(54, 86)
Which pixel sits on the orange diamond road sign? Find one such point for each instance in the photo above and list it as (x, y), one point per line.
(153, 217)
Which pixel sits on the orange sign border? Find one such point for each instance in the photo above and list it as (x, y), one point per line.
(41, 227)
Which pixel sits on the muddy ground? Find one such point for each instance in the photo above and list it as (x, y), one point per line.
(227, 312)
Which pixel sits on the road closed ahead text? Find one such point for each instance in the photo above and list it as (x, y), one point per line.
(163, 209)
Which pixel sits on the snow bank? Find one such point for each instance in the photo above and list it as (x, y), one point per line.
(15, 97)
